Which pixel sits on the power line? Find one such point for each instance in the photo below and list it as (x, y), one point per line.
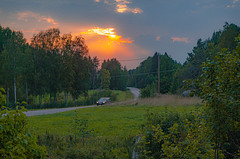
(128, 59)
(147, 73)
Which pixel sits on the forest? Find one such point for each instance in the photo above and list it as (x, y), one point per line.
(53, 63)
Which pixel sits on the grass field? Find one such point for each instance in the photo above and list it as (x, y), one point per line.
(104, 120)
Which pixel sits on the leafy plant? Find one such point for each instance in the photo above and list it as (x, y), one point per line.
(16, 141)
(170, 135)
(80, 127)
(220, 91)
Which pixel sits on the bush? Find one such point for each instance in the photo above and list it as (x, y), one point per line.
(219, 88)
(148, 91)
(16, 141)
(170, 135)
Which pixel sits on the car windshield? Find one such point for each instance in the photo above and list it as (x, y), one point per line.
(103, 99)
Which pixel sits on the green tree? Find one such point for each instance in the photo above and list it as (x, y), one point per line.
(206, 50)
(67, 74)
(220, 91)
(94, 62)
(81, 67)
(48, 66)
(117, 73)
(13, 49)
(147, 72)
(105, 78)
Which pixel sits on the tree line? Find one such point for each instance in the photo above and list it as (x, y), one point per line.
(209, 131)
(49, 64)
(173, 74)
(206, 50)
(54, 63)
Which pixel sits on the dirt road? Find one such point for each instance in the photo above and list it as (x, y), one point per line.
(134, 91)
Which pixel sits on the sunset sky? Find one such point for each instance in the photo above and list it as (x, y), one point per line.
(125, 29)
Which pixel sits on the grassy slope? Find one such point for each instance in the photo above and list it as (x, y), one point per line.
(104, 120)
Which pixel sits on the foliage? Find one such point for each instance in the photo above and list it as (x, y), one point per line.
(220, 91)
(105, 79)
(170, 135)
(16, 141)
(206, 50)
(119, 75)
(146, 73)
(93, 147)
(79, 126)
(50, 64)
(149, 91)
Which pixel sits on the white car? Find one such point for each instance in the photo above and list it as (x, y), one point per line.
(103, 100)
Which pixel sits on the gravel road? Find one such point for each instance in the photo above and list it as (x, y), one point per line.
(52, 111)
(134, 91)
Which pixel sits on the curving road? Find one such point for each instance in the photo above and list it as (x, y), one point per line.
(134, 91)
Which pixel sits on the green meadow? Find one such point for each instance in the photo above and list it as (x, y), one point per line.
(103, 120)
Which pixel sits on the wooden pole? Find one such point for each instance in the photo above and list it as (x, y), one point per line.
(158, 74)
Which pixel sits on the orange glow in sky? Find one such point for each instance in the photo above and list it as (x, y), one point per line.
(108, 32)
(106, 43)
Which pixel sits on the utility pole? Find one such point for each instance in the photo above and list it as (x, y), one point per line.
(158, 74)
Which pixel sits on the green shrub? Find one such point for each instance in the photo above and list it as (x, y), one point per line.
(218, 86)
(148, 91)
(16, 141)
(170, 135)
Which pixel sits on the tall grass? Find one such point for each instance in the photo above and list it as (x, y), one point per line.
(170, 100)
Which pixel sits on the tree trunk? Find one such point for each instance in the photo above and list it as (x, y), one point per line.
(66, 99)
(36, 100)
(74, 99)
(26, 92)
(50, 98)
(40, 100)
(15, 90)
(7, 94)
(54, 98)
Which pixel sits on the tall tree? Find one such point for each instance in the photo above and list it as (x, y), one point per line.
(118, 81)
(13, 44)
(46, 43)
(67, 74)
(219, 87)
(81, 67)
(105, 79)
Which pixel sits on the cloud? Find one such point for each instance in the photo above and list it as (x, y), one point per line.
(121, 6)
(26, 16)
(107, 32)
(180, 39)
(235, 1)
(233, 4)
